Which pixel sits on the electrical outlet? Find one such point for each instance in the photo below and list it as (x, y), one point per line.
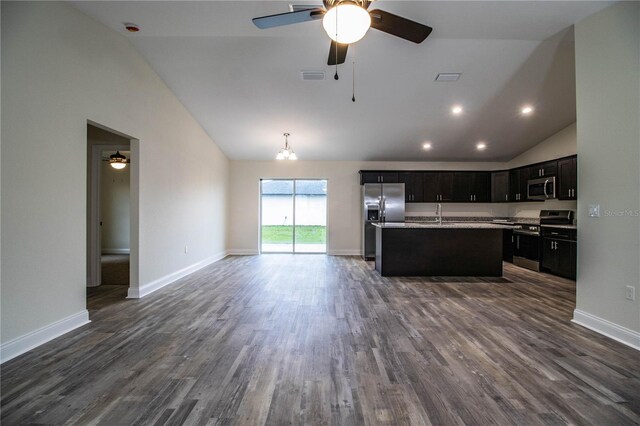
(630, 292)
(186, 249)
(594, 210)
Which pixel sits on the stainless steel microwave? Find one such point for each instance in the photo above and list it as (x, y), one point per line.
(541, 189)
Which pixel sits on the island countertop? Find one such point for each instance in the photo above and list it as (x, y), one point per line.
(444, 225)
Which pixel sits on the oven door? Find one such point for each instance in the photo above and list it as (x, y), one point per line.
(526, 250)
(541, 189)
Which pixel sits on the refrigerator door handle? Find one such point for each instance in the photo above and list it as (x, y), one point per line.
(383, 213)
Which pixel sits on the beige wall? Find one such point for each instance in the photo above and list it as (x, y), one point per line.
(608, 111)
(60, 69)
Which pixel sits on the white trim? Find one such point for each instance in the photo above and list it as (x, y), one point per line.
(607, 328)
(352, 252)
(116, 251)
(243, 252)
(33, 339)
(143, 290)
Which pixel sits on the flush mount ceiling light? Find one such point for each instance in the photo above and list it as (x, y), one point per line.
(286, 153)
(481, 146)
(456, 110)
(346, 23)
(118, 161)
(526, 110)
(426, 146)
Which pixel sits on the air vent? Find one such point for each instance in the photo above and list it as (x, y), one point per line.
(298, 7)
(312, 75)
(448, 76)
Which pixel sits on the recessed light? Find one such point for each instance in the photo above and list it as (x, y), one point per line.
(426, 146)
(526, 110)
(481, 146)
(457, 110)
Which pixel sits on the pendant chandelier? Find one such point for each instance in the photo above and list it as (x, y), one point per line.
(286, 153)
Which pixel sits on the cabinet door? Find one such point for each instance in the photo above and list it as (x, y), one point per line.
(369, 177)
(507, 245)
(499, 187)
(565, 253)
(446, 186)
(518, 184)
(430, 187)
(550, 168)
(567, 176)
(549, 254)
(481, 187)
(413, 192)
(462, 186)
(389, 177)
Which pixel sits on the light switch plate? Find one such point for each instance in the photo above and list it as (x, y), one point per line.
(594, 210)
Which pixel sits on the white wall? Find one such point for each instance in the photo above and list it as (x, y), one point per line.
(60, 69)
(608, 111)
(114, 208)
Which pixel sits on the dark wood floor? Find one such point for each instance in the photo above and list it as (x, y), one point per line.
(313, 339)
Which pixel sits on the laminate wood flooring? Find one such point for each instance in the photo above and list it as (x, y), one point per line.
(319, 340)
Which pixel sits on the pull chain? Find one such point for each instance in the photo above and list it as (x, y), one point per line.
(336, 77)
(353, 87)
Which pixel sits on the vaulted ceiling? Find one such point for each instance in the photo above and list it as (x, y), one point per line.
(244, 85)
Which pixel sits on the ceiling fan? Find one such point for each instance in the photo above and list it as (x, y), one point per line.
(347, 21)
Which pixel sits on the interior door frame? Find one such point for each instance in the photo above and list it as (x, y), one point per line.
(93, 214)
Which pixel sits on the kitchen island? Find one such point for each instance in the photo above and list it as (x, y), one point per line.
(434, 249)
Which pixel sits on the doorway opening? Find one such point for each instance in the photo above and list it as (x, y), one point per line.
(111, 254)
(293, 215)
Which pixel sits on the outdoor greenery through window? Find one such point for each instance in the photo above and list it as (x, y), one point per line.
(293, 216)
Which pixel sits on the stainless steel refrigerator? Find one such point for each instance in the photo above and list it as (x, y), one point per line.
(382, 202)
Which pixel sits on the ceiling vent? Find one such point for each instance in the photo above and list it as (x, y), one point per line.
(298, 7)
(448, 76)
(312, 75)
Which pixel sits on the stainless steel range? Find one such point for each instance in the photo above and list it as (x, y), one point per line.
(527, 242)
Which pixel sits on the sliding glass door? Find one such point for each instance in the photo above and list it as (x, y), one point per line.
(293, 216)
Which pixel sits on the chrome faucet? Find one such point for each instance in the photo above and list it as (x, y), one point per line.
(439, 213)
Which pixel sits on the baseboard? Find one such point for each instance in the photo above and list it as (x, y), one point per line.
(116, 251)
(607, 328)
(344, 252)
(243, 252)
(145, 289)
(25, 343)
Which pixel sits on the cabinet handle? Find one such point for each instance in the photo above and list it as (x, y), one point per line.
(506, 197)
(382, 178)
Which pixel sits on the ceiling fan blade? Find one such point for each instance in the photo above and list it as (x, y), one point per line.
(399, 26)
(288, 18)
(338, 57)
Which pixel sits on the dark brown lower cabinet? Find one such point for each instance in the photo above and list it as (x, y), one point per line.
(507, 245)
(559, 257)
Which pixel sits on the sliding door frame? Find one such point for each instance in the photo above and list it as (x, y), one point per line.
(293, 221)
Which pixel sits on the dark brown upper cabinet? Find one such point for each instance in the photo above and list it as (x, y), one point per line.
(568, 179)
(413, 186)
(518, 179)
(438, 186)
(378, 177)
(500, 187)
(546, 169)
(471, 187)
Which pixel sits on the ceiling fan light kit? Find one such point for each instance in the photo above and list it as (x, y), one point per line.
(118, 161)
(346, 23)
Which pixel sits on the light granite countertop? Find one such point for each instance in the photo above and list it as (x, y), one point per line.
(444, 225)
(560, 226)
